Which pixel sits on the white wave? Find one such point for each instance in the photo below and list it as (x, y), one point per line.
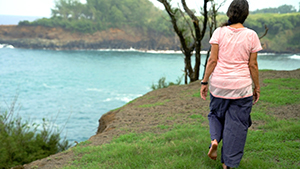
(295, 57)
(149, 51)
(107, 100)
(124, 98)
(119, 50)
(203, 52)
(94, 89)
(49, 87)
(10, 46)
(266, 54)
(6, 46)
(168, 51)
(162, 51)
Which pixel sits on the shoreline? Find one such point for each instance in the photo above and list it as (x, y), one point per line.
(203, 52)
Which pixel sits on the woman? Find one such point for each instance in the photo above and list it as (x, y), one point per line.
(231, 68)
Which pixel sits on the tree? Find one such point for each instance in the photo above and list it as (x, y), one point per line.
(286, 9)
(190, 36)
(281, 9)
(67, 9)
(212, 24)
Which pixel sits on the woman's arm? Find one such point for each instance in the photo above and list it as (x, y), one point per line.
(211, 64)
(253, 66)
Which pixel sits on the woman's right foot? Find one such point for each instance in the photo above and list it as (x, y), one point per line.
(213, 151)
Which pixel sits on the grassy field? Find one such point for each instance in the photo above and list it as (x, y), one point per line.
(273, 144)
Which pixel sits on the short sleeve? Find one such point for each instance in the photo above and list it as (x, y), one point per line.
(215, 37)
(256, 45)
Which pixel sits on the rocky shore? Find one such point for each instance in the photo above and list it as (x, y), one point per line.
(38, 37)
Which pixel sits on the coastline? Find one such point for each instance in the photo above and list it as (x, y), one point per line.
(46, 38)
(204, 52)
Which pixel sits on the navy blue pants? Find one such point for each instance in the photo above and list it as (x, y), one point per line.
(229, 120)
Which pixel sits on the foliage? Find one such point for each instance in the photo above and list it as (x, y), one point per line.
(190, 30)
(22, 142)
(142, 15)
(281, 9)
(283, 34)
(97, 15)
(163, 84)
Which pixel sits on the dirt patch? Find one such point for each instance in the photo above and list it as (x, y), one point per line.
(286, 112)
(159, 109)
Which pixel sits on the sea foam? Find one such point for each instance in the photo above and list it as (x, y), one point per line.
(95, 89)
(123, 97)
(6, 46)
(295, 57)
(148, 51)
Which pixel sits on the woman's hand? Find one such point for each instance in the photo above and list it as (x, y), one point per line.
(203, 91)
(256, 94)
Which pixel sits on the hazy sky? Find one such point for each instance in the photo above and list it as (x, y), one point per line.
(43, 7)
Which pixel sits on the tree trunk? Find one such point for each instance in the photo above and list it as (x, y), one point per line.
(187, 48)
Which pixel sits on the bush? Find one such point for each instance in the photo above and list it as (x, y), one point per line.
(163, 84)
(22, 142)
(24, 23)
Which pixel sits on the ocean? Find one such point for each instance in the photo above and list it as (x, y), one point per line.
(73, 89)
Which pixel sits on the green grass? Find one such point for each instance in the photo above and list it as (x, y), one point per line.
(276, 144)
(281, 91)
(179, 148)
(186, 147)
(163, 127)
(154, 104)
(198, 116)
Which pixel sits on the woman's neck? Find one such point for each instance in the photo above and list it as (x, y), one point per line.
(237, 25)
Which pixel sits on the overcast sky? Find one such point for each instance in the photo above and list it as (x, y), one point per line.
(42, 8)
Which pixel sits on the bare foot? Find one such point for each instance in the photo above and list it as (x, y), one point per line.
(224, 166)
(212, 153)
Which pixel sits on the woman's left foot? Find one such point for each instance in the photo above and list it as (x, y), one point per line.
(213, 151)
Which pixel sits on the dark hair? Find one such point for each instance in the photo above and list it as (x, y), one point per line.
(238, 12)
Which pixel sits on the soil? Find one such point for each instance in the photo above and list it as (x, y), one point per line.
(172, 105)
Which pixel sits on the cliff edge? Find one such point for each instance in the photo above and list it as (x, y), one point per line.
(163, 107)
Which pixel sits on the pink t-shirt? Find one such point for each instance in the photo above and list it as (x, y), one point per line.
(231, 77)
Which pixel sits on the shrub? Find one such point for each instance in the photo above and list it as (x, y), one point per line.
(163, 84)
(24, 23)
(22, 142)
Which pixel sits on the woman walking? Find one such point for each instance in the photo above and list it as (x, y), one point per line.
(231, 69)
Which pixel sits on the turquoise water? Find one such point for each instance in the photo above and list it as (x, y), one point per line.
(74, 88)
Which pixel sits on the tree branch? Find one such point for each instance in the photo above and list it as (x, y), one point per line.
(205, 18)
(221, 4)
(191, 29)
(266, 31)
(189, 12)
